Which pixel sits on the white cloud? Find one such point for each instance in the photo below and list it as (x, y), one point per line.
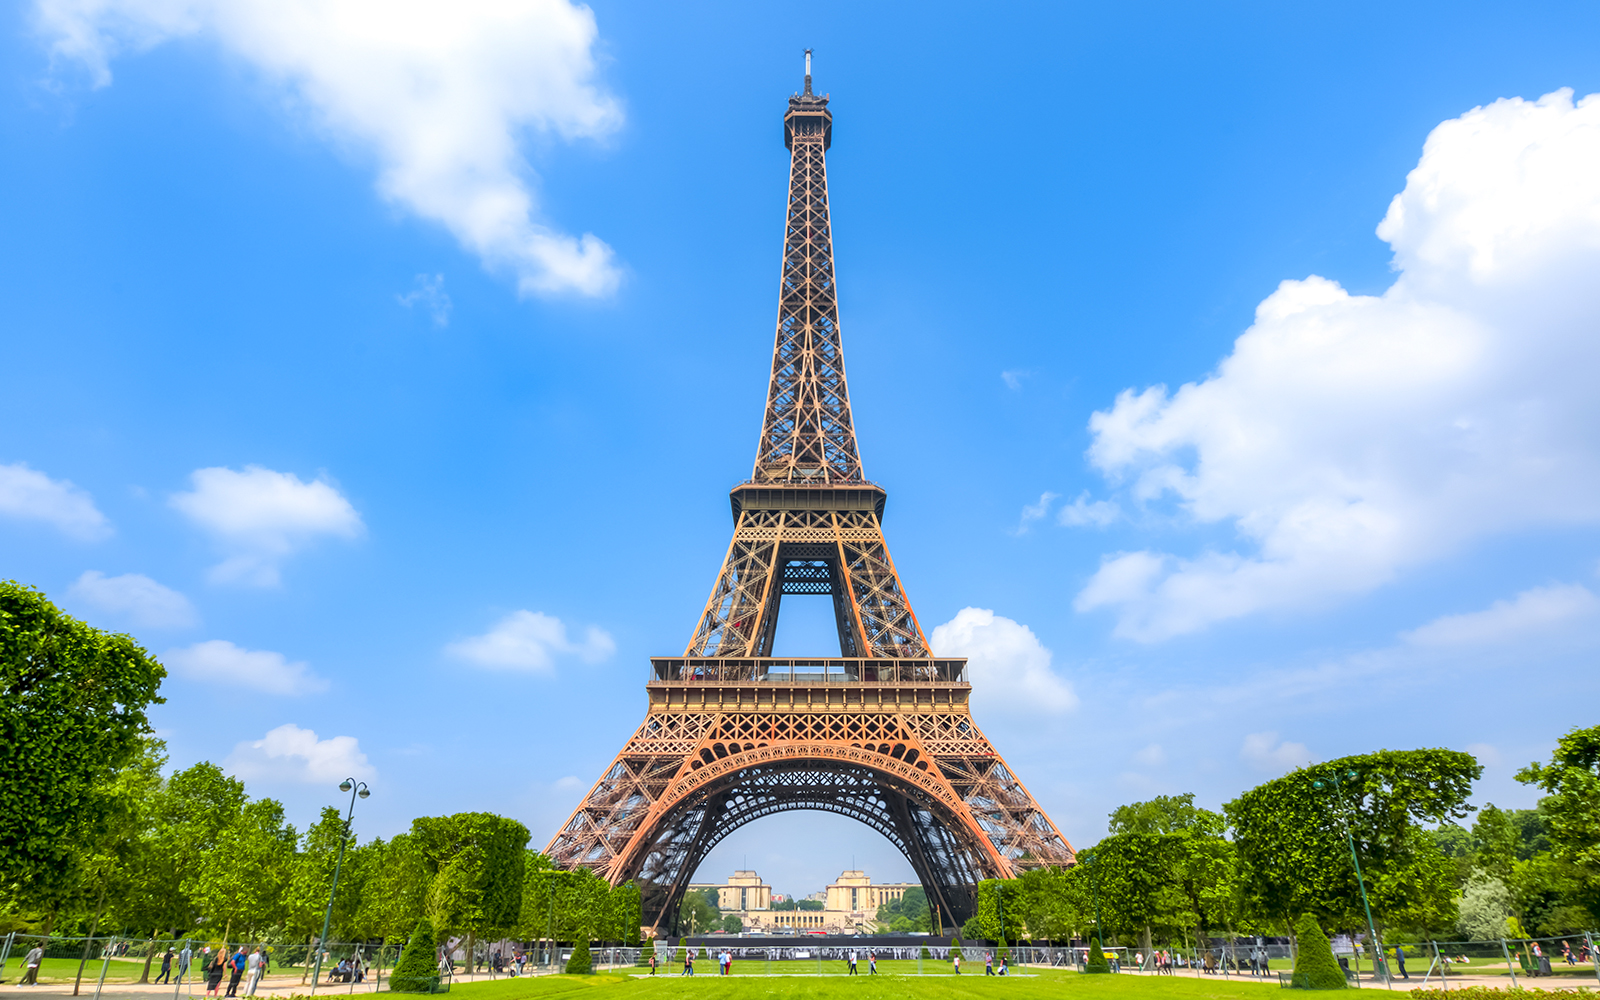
(428, 292)
(218, 661)
(134, 598)
(1083, 511)
(438, 94)
(1009, 667)
(30, 495)
(1151, 756)
(1350, 437)
(1034, 512)
(530, 641)
(259, 517)
(289, 753)
(1264, 752)
(1013, 379)
(1532, 612)
(1488, 755)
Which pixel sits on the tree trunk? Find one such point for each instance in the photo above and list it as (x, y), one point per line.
(227, 929)
(1144, 940)
(98, 909)
(150, 953)
(472, 942)
(310, 957)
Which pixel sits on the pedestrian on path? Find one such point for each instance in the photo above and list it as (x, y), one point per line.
(1400, 961)
(652, 963)
(34, 957)
(166, 967)
(236, 964)
(957, 961)
(252, 966)
(872, 963)
(214, 966)
(184, 958)
(852, 961)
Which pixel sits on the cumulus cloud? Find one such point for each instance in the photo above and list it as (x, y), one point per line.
(1532, 612)
(259, 517)
(135, 599)
(221, 662)
(1350, 437)
(428, 292)
(1009, 667)
(1084, 512)
(30, 495)
(436, 94)
(1265, 752)
(291, 754)
(532, 642)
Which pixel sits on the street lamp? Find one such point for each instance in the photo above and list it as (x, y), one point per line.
(359, 790)
(1350, 774)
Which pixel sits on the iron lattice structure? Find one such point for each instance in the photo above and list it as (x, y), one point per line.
(882, 733)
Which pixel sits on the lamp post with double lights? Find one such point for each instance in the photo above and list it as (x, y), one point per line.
(1350, 774)
(357, 789)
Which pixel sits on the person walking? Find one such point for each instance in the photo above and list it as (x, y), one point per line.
(872, 963)
(252, 968)
(956, 953)
(212, 965)
(166, 967)
(852, 961)
(236, 964)
(31, 962)
(652, 962)
(988, 963)
(184, 958)
(1400, 961)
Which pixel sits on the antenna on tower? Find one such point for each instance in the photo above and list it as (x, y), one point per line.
(808, 71)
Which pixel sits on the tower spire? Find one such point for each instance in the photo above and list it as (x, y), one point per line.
(808, 72)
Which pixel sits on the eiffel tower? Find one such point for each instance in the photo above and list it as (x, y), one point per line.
(881, 733)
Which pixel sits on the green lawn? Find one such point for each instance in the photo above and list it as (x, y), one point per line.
(56, 970)
(1051, 984)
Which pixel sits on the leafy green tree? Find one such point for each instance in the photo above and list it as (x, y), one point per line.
(1137, 884)
(240, 882)
(1290, 836)
(475, 861)
(305, 899)
(1051, 903)
(1165, 814)
(394, 888)
(1314, 965)
(732, 924)
(418, 964)
(626, 914)
(72, 712)
(1571, 809)
(1485, 906)
(580, 963)
(998, 913)
(697, 914)
(1097, 958)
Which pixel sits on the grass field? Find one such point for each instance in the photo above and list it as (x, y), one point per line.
(884, 986)
(56, 970)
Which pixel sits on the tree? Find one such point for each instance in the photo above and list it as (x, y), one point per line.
(580, 963)
(418, 967)
(475, 862)
(311, 880)
(1291, 841)
(240, 882)
(1571, 808)
(732, 924)
(72, 712)
(1314, 964)
(697, 914)
(1097, 958)
(1051, 903)
(1484, 907)
(1165, 814)
(394, 888)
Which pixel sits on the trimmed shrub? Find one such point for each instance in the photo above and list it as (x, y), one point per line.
(1314, 965)
(1097, 958)
(925, 953)
(418, 968)
(581, 964)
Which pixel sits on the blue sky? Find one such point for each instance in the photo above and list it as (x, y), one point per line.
(386, 375)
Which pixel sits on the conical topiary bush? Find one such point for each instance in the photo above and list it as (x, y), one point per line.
(417, 971)
(1314, 965)
(1097, 958)
(580, 963)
